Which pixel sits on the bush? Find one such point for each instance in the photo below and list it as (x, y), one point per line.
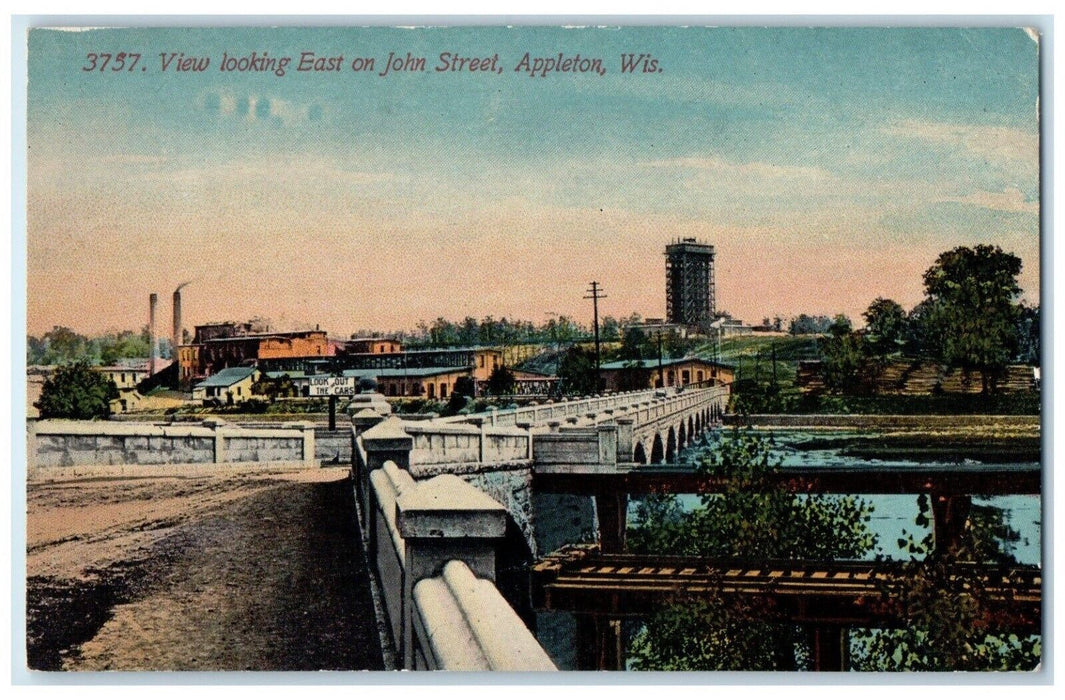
(77, 391)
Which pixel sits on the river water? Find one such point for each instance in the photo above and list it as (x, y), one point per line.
(892, 514)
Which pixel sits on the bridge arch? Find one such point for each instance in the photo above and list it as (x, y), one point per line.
(657, 450)
(671, 446)
(639, 455)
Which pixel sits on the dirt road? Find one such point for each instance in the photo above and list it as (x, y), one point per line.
(238, 570)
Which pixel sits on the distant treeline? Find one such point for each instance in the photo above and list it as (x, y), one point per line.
(62, 345)
(556, 330)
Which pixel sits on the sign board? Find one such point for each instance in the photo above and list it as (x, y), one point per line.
(333, 386)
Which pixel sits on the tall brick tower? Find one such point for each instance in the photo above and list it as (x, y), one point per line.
(690, 283)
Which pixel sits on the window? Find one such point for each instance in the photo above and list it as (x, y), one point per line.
(443, 390)
(699, 376)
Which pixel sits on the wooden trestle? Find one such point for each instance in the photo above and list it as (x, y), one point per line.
(826, 597)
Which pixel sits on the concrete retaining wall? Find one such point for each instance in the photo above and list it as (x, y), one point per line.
(333, 445)
(877, 421)
(63, 443)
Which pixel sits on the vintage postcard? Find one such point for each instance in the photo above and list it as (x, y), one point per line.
(534, 348)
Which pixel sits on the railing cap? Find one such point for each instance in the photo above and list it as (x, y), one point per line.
(447, 507)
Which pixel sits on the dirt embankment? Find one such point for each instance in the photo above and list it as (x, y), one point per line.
(240, 570)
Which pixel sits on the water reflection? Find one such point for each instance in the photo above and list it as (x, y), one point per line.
(892, 513)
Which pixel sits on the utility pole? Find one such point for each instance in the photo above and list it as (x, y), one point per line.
(661, 374)
(596, 293)
(773, 347)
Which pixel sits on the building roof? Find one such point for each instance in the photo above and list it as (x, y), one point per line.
(228, 376)
(291, 374)
(283, 335)
(666, 362)
(367, 339)
(469, 348)
(409, 372)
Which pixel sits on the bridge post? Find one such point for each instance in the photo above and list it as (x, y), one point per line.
(950, 515)
(611, 508)
(828, 644)
(444, 519)
(625, 439)
(608, 444)
(599, 644)
(527, 427)
(217, 426)
(385, 442)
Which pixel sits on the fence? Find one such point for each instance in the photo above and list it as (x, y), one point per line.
(67, 443)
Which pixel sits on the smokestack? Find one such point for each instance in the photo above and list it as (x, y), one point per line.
(176, 341)
(153, 339)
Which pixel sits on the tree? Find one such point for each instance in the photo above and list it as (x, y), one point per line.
(501, 381)
(751, 521)
(576, 371)
(633, 345)
(1028, 334)
(461, 397)
(60, 346)
(920, 337)
(885, 327)
(274, 387)
(843, 364)
(610, 329)
(809, 325)
(76, 391)
(674, 346)
(971, 294)
(950, 628)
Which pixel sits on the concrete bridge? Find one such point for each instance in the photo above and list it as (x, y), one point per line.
(452, 522)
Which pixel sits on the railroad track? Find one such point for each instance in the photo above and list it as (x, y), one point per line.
(583, 580)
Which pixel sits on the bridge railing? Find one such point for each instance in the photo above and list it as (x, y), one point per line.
(434, 442)
(462, 623)
(74, 443)
(555, 410)
(607, 438)
(433, 546)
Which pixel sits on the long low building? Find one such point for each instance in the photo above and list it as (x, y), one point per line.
(423, 382)
(629, 375)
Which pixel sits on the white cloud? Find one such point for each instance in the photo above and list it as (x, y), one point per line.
(250, 108)
(1011, 200)
(755, 169)
(998, 143)
(132, 159)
